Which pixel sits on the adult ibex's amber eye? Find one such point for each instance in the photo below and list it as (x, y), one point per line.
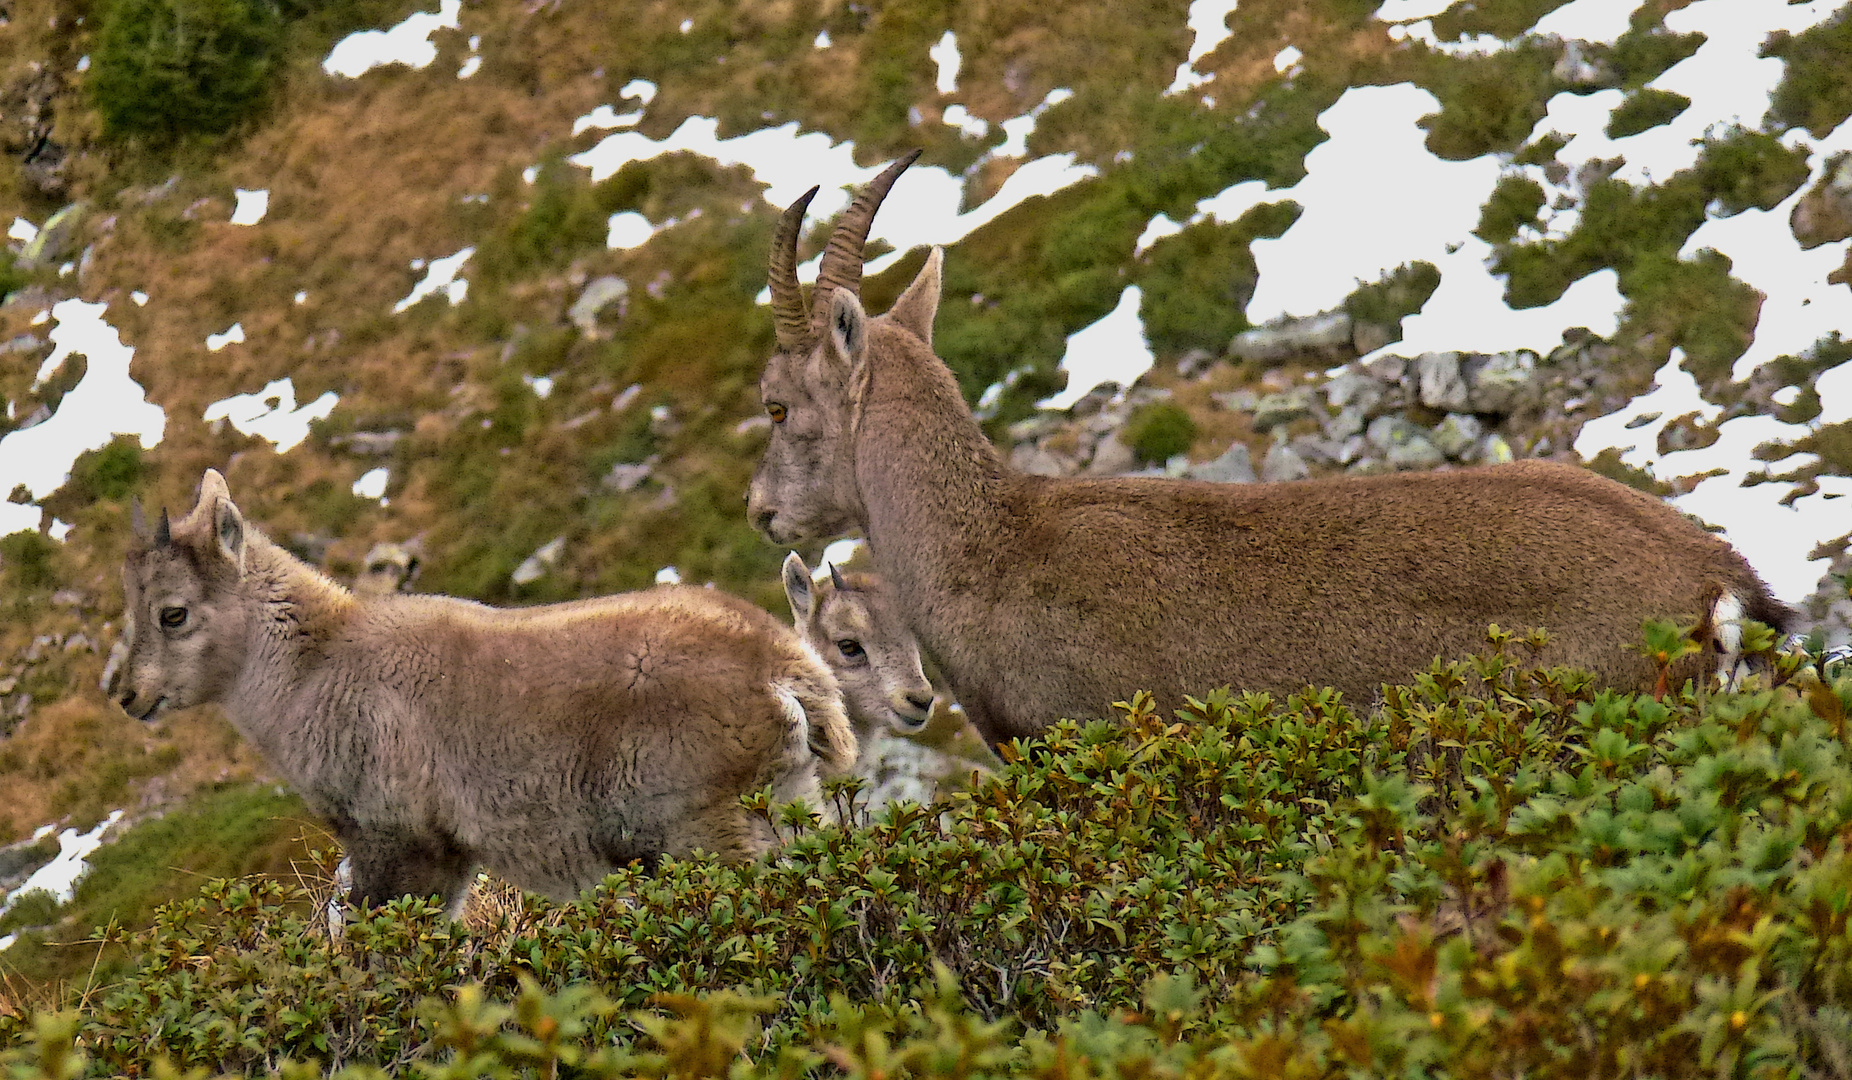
(173, 617)
(776, 412)
(851, 649)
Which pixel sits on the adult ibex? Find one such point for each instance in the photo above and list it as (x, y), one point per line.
(552, 744)
(1041, 597)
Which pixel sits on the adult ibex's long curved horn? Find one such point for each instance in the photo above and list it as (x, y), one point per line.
(789, 315)
(842, 259)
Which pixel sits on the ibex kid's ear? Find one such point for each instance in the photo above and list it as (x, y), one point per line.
(797, 586)
(917, 307)
(227, 522)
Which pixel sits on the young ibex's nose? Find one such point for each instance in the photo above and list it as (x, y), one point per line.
(922, 702)
(762, 520)
(127, 699)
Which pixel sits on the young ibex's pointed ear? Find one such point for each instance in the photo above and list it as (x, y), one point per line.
(227, 522)
(797, 586)
(917, 306)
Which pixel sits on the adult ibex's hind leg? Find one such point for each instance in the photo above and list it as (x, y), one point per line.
(388, 865)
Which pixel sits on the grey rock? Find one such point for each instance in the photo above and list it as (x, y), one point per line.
(1387, 369)
(1314, 450)
(627, 476)
(545, 558)
(1353, 450)
(1355, 388)
(1178, 466)
(599, 295)
(1282, 463)
(662, 421)
(1236, 400)
(1235, 466)
(1096, 399)
(1495, 450)
(1458, 435)
(1036, 461)
(56, 236)
(1112, 458)
(70, 598)
(1033, 427)
(1439, 382)
(1348, 421)
(22, 343)
(1289, 337)
(1543, 447)
(1404, 445)
(1195, 362)
(368, 443)
(1503, 383)
(1277, 410)
(39, 414)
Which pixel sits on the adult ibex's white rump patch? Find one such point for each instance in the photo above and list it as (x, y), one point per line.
(552, 744)
(1040, 597)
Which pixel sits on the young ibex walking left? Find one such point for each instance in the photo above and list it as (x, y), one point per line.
(552, 744)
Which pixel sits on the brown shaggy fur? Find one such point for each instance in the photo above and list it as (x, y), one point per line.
(552, 744)
(1040, 598)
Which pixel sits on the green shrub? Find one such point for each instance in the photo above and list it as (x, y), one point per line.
(1157, 433)
(1401, 292)
(1499, 871)
(1814, 92)
(1514, 202)
(1645, 109)
(112, 473)
(27, 559)
(169, 68)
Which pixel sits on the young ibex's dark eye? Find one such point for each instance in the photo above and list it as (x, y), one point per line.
(851, 649)
(173, 617)
(775, 411)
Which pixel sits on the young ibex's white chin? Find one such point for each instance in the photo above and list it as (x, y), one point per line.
(1040, 598)
(552, 744)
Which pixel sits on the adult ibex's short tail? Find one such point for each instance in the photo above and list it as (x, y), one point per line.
(553, 744)
(1040, 597)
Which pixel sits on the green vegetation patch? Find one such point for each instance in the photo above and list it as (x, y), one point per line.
(1814, 92)
(1500, 871)
(1400, 293)
(1159, 432)
(1645, 109)
(1644, 52)
(1488, 103)
(1514, 203)
(163, 69)
(1196, 284)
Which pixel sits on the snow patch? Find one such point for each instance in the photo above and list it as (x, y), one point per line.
(372, 483)
(252, 206)
(440, 277)
(947, 59)
(1208, 22)
(59, 876)
(271, 413)
(1111, 350)
(408, 43)
(104, 403)
(232, 336)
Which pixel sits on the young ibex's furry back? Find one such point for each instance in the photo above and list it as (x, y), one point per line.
(1040, 597)
(553, 744)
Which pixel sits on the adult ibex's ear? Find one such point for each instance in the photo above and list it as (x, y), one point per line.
(797, 586)
(227, 522)
(917, 307)
(848, 329)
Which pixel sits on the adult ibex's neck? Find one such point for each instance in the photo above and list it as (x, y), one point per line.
(923, 466)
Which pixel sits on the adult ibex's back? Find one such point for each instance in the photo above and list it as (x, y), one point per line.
(1042, 597)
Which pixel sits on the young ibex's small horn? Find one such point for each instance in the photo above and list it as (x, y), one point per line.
(842, 259)
(163, 532)
(789, 314)
(836, 579)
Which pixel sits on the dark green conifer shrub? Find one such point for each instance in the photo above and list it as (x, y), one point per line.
(163, 69)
